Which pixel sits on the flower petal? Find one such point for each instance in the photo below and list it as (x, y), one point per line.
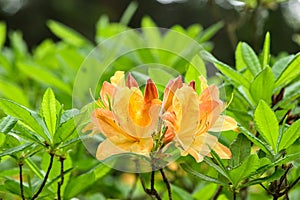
(106, 93)
(151, 92)
(131, 82)
(186, 109)
(118, 79)
(170, 90)
(223, 123)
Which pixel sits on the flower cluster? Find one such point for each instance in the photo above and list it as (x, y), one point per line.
(133, 122)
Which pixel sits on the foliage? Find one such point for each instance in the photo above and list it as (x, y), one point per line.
(41, 153)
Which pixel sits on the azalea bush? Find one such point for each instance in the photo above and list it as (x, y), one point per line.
(140, 117)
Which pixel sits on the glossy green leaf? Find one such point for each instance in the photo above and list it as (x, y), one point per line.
(65, 131)
(34, 168)
(291, 72)
(267, 124)
(263, 85)
(219, 169)
(204, 177)
(15, 149)
(29, 117)
(234, 75)
(290, 135)
(266, 51)
(284, 160)
(240, 149)
(13, 186)
(275, 176)
(67, 34)
(7, 123)
(195, 69)
(262, 145)
(49, 111)
(251, 59)
(2, 34)
(205, 192)
(280, 65)
(244, 170)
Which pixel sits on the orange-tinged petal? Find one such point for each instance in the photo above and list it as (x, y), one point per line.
(118, 79)
(151, 92)
(106, 93)
(186, 109)
(104, 120)
(209, 93)
(170, 90)
(133, 114)
(131, 82)
(107, 149)
(203, 83)
(222, 151)
(223, 123)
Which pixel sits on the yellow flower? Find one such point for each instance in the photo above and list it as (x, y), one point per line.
(190, 117)
(131, 119)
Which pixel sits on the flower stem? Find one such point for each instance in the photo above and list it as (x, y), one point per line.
(21, 180)
(220, 188)
(166, 182)
(45, 178)
(61, 159)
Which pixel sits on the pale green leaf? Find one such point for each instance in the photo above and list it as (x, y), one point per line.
(28, 117)
(262, 145)
(7, 123)
(2, 34)
(290, 135)
(49, 110)
(250, 59)
(209, 32)
(263, 85)
(266, 51)
(291, 72)
(267, 124)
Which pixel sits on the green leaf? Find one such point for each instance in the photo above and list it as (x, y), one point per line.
(178, 193)
(244, 170)
(280, 65)
(266, 51)
(49, 110)
(267, 124)
(15, 150)
(65, 131)
(219, 169)
(29, 117)
(44, 76)
(7, 123)
(290, 72)
(205, 192)
(128, 13)
(13, 92)
(251, 59)
(209, 32)
(19, 45)
(284, 160)
(31, 165)
(195, 69)
(13, 186)
(276, 175)
(67, 34)
(204, 177)
(235, 76)
(263, 85)
(262, 145)
(151, 32)
(2, 34)
(290, 135)
(240, 149)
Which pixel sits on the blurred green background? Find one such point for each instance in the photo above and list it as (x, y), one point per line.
(244, 20)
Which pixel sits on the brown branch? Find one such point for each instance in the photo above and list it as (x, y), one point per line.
(167, 183)
(61, 159)
(218, 192)
(21, 180)
(45, 178)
